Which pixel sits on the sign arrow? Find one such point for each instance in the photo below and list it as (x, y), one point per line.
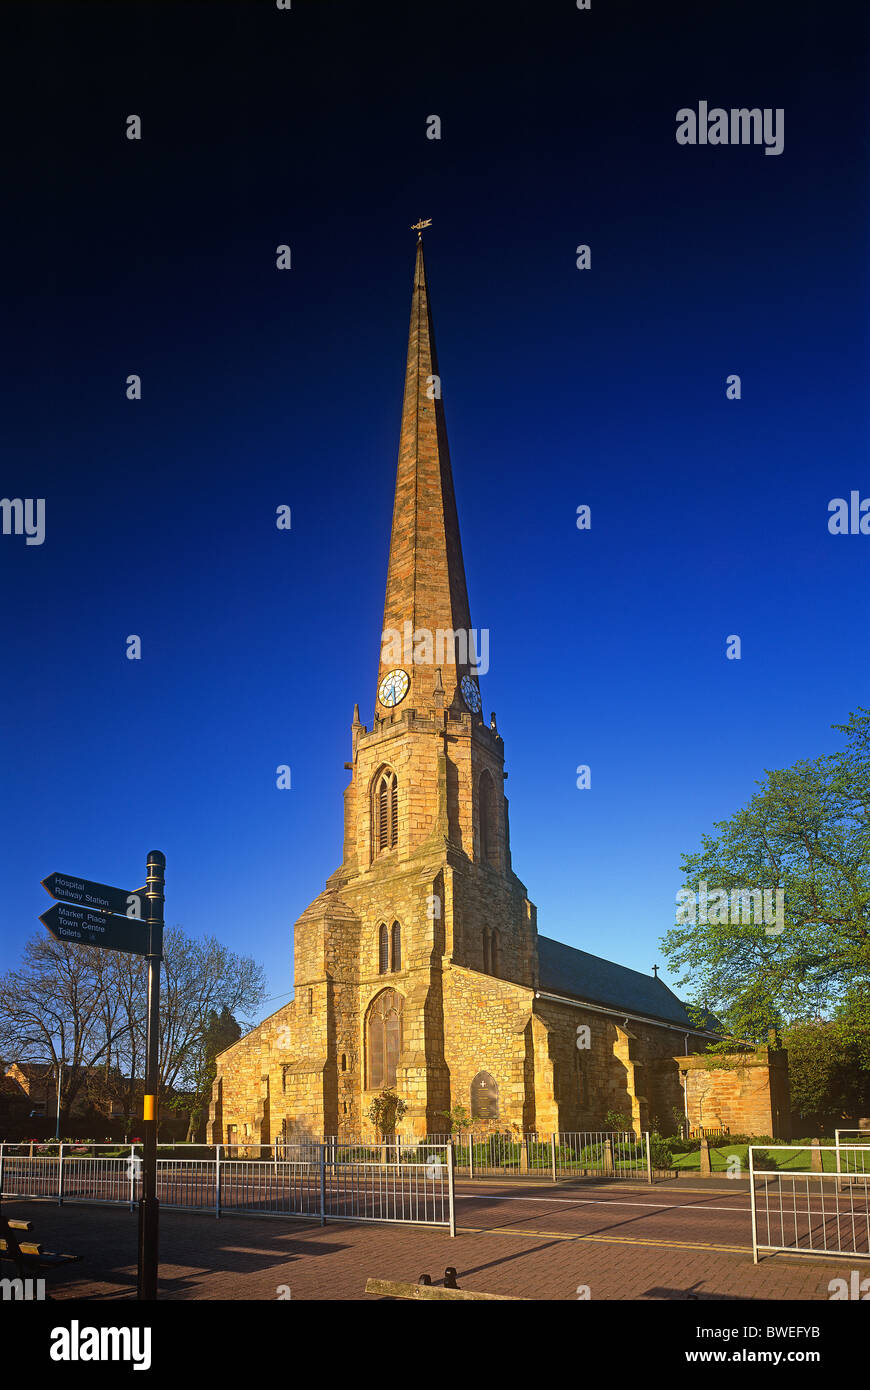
(97, 896)
(85, 928)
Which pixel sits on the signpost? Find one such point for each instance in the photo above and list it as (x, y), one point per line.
(69, 922)
(96, 914)
(100, 897)
(149, 1208)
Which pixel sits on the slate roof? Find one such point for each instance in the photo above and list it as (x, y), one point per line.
(566, 970)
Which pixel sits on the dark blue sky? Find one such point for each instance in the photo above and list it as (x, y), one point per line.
(562, 387)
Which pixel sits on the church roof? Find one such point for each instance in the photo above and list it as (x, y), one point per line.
(566, 970)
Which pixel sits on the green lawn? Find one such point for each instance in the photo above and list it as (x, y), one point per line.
(785, 1160)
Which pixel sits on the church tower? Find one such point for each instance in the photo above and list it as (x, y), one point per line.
(420, 967)
(425, 881)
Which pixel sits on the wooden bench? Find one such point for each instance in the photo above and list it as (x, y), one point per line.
(391, 1288)
(28, 1256)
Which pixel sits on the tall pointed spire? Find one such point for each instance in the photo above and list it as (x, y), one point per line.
(426, 589)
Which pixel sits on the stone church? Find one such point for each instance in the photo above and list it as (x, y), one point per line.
(420, 966)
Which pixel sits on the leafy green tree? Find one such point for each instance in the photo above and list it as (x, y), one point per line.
(616, 1121)
(827, 1071)
(807, 832)
(458, 1118)
(386, 1111)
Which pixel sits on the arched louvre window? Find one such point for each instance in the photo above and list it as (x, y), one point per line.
(397, 946)
(488, 820)
(384, 1038)
(385, 811)
(487, 951)
(383, 949)
(494, 954)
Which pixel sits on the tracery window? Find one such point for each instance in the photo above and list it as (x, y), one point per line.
(384, 1039)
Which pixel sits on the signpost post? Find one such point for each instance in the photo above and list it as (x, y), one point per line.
(149, 1208)
(96, 914)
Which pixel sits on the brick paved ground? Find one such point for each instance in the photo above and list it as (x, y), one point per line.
(624, 1242)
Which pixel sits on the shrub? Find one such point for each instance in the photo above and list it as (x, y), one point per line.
(660, 1152)
(386, 1111)
(683, 1146)
(617, 1122)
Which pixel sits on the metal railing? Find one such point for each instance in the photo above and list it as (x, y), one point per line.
(310, 1180)
(823, 1212)
(590, 1153)
(843, 1152)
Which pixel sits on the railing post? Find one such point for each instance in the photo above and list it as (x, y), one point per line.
(323, 1184)
(471, 1154)
(752, 1205)
(608, 1156)
(839, 1185)
(451, 1188)
(553, 1145)
(1, 1168)
(648, 1159)
(132, 1176)
(60, 1176)
(217, 1180)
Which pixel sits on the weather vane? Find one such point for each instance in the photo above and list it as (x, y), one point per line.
(418, 227)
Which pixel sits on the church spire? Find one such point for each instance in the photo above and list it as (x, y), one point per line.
(426, 590)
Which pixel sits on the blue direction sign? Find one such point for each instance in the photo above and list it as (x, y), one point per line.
(97, 896)
(68, 922)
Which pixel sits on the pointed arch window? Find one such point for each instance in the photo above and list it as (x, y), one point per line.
(385, 811)
(383, 949)
(396, 946)
(488, 820)
(491, 951)
(383, 1039)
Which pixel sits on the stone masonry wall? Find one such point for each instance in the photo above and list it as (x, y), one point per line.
(745, 1094)
(486, 1028)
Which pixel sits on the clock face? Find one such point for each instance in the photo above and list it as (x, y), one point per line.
(394, 687)
(470, 693)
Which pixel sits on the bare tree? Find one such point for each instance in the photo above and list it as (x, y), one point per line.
(86, 1007)
(53, 1009)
